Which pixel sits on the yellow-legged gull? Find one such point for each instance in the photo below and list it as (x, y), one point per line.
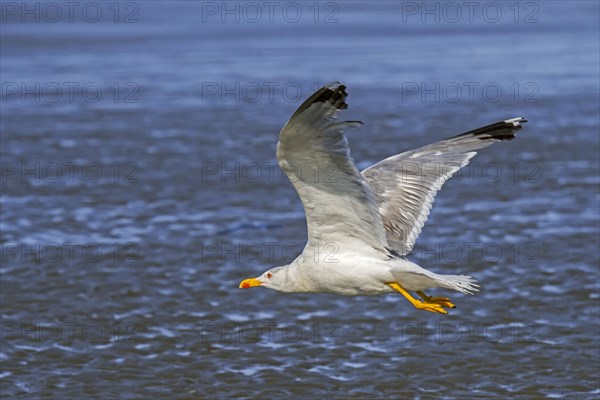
(361, 225)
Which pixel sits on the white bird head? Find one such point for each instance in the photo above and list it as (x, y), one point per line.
(275, 278)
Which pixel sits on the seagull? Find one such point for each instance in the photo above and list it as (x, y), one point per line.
(362, 225)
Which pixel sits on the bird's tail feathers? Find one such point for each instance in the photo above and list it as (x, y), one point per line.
(462, 283)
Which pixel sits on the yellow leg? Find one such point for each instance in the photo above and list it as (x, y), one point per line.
(421, 305)
(442, 301)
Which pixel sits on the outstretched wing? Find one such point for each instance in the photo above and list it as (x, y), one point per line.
(405, 185)
(313, 151)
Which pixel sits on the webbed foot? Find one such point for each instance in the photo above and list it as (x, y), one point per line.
(431, 304)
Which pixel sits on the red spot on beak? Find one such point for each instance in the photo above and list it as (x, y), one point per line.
(248, 283)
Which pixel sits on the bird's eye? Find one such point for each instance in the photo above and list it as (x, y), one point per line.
(269, 275)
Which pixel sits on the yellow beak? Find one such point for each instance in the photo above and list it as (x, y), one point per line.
(248, 283)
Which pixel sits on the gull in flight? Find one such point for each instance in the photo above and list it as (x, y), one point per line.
(362, 225)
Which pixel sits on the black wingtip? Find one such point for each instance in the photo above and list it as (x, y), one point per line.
(333, 93)
(503, 130)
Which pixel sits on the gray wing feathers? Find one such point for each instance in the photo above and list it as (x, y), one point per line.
(314, 153)
(405, 185)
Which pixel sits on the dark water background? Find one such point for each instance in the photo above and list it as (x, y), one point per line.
(139, 187)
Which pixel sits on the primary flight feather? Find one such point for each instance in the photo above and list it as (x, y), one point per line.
(362, 224)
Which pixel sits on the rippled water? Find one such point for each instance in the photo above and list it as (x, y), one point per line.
(129, 219)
